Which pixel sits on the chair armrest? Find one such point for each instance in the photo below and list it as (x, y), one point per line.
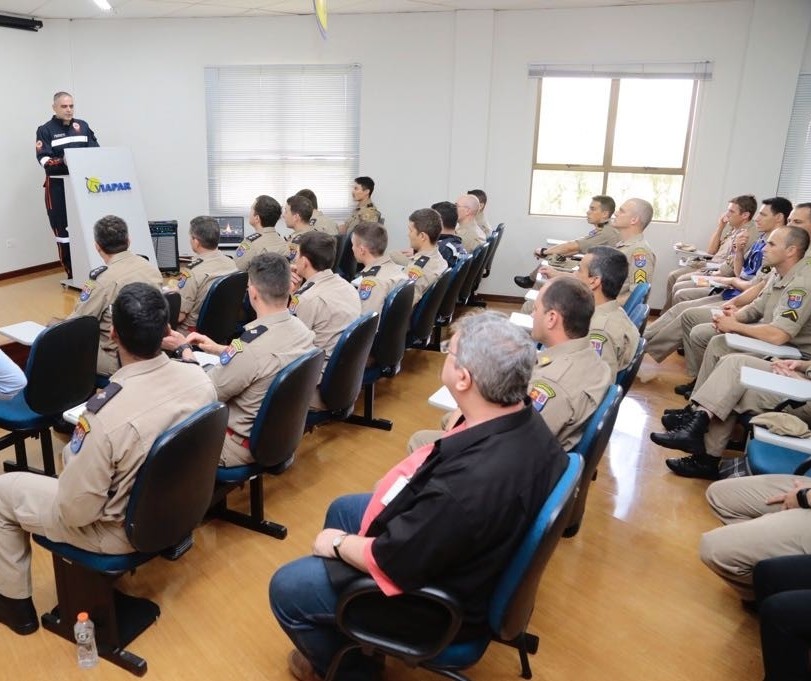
(785, 386)
(415, 626)
(758, 347)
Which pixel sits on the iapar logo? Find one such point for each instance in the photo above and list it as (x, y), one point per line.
(96, 186)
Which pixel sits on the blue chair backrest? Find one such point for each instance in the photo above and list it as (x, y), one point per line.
(596, 424)
(424, 315)
(174, 485)
(459, 274)
(475, 273)
(514, 597)
(390, 340)
(639, 314)
(638, 295)
(625, 378)
(495, 240)
(222, 307)
(346, 265)
(279, 423)
(343, 376)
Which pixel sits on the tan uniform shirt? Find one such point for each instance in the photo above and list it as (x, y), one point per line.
(364, 212)
(613, 336)
(472, 235)
(601, 235)
(247, 368)
(424, 269)
(292, 242)
(266, 241)
(326, 304)
(195, 280)
(567, 385)
(323, 223)
(99, 292)
(641, 263)
(481, 221)
(116, 432)
(376, 281)
(785, 303)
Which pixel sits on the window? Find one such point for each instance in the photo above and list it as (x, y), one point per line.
(608, 133)
(277, 129)
(795, 173)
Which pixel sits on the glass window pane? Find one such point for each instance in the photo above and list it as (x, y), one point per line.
(573, 120)
(663, 191)
(652, 119)
(563, 192)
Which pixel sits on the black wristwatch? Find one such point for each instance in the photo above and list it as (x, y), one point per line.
(802, 497)
(180, 348)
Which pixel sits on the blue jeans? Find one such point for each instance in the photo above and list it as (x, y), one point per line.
(304, 601)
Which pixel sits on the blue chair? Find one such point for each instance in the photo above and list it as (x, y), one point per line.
(424, 315)
(387, 351)
(419, 627)
(221, 310)
(444, 315)
(276, 433)
(343, 376)
(169, 498)
(495, 240)
(592, 446)
(638, 295)
(474, 276)
(639, 316)
(626, 376)
(345, 263)
(777, 454)
(61, 373)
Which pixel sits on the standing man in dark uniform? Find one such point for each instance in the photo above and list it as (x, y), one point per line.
(62, 132)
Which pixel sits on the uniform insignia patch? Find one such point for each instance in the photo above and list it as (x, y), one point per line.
(593, 232)
(181, 278)
(414, 273)
(39, 144)
(79, 433)
(640, 277)
(544, 361)
(253, 237)
(95, 273)
(77, 127)
(597, 340)
(790, 314)
(292, 252)
(230, 352)
(365, 288)
(640, 258)
(795, 298)
(294, 300)
(251, 335)
(540, 394)
(95, 403)
(312, 222)
(242, 248)
(86, 291)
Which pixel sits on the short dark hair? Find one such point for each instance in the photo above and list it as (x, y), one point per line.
(427, 221)
(268, 210)
(301, 207)
(747, 203)
(479, 194)
(111, 234)
(606, 203)
(611, 265)
(779, 206)
(141, 319)
(448, 213)
(367, 183)
(60, 94)
(206, 230)
(270, 274)
(373, 235)
(318, 248)
(797, 237)
(572, 299)
(803, 205)
(309, 194)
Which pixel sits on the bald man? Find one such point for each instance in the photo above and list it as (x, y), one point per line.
(467, 206)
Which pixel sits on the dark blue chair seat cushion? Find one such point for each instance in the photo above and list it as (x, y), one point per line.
(460, 655)
(15, 414)
(100, 562)
(768, 458)
(238, 474)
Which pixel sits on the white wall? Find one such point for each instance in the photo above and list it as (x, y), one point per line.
(446, 104)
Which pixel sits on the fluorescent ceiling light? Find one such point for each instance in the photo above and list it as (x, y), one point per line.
(103, 5)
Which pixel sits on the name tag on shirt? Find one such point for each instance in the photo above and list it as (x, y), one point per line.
(394, 490)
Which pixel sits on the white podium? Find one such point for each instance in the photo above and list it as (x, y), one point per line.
(101, 182)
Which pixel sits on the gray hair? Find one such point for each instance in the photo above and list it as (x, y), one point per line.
(643, 210)
(499, 356)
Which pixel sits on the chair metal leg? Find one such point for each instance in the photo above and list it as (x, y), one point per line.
(256, 520)
(336, 661)
(368, 418)
(526, 645)
(20, 464)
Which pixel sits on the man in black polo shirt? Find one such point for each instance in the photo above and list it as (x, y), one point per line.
(450, 515)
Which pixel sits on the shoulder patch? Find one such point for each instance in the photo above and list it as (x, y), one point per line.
(790, 314)
(194, 263)
(422, 261)
(94, 274)
(539, 395)
(365, 288)
(640, 277)
(253, 237)
(79, 433)
(87, 290)
(230, 352)
(244, 246)
(372, 271)
(597, 341)
(182, 277)
(795, 298)
(95, 403)
(252, 334)
(544, 361)
(640, 257)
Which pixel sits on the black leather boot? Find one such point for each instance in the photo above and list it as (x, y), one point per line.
(696, 466)
(19, 615)
(689, 437)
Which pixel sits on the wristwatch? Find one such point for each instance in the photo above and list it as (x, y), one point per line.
(180, 349)
(336, 544)
(802, 498)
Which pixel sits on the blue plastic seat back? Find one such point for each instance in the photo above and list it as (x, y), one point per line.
(596, 426)
(424, 315)
(459, 274)
(343, 376)
(626, 377)
(638, 295)
(639, 315)
(475, 274)
(495, 241)
(390, 340)
(222, 307)
(767, 458)
(346, 266)
(279, 424)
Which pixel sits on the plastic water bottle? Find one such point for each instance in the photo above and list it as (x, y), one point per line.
(85, 633)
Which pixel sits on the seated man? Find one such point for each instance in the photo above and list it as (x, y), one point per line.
(297, 214)
(703, 428)
(613, 335)
(569, 379)
(319, 221)
(449, 242)
(764, 516)
(121, 267)
(248, 365)
(598, 216)
(380, 274)
(467, 208)
(86, 506)
(265, 213)
(481, 219)
(325, 302)
(195, 280)
(365, 210)
(468, 502)
(425, 263)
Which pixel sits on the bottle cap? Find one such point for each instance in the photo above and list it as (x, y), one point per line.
(82, 617)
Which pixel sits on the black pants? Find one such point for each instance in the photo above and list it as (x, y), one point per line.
(783, 591)
(58, 217)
